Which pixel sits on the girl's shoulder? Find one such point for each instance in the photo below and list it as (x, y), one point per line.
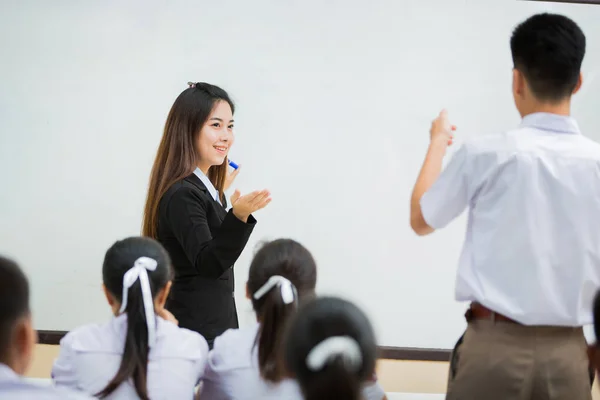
(235, 348)
(175, 342)
(95, 337)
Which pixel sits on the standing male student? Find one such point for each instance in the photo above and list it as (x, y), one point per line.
(530, 265)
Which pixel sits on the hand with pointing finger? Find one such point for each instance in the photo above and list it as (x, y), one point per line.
(243, 206)
(441, 129)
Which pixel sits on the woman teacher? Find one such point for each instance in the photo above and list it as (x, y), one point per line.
(186, 209)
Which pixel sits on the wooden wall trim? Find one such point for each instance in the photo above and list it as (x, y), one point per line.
(413, 354)
(50, 337)
(385, 352)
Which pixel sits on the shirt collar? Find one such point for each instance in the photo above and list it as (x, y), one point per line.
(7, 374)
(211, 188)
(551, 122)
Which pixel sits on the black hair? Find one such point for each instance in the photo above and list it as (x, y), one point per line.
(320, 319)
(119, 259)
(549, 49)
(287, 258)
(14, 301)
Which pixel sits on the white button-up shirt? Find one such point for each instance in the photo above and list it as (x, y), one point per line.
(209, 185)
(14, 387)
(532, 247)
(90, 357)
(232, 372)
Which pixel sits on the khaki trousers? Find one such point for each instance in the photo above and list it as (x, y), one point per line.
(506, 361)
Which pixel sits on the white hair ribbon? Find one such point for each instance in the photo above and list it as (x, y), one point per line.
(139, 271)
(287, 289)
(343, 346)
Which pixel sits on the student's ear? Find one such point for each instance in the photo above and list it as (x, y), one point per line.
(112, 302)
(162, 296)
(109, 297)
(518, 83)
(579, 83)
(24, 341)
(248, 294)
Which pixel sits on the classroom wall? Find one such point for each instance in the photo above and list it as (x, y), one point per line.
(394, 375)
(335, 102)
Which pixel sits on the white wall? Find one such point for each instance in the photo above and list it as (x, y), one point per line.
(335, 100)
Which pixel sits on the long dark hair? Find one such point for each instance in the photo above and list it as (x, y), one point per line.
(287, 258)
(176, 157)
(118, 260)
(316, 321)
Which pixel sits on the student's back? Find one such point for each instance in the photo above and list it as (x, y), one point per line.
(535, 191)
(14, 387)
(18, 339)
(90, 357)
(141, 352)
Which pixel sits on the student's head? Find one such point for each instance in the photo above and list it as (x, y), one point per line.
(127, 264)
(330, 349)
(198, 133)
(282, 273)
(17, 336)
(547, 52)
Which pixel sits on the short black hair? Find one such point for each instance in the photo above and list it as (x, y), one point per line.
(14, 300)
(549, 49)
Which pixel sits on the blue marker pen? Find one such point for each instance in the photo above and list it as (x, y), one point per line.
(233, 165)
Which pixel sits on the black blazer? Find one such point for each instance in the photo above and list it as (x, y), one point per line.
(204, 241)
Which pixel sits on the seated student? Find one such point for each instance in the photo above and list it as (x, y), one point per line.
(246, 363)
(18, 339)
(330, 349)
(141, 353)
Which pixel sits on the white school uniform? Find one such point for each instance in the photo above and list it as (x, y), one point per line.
(14, 387)
(232, 372)
(90, 357)
(532, 248)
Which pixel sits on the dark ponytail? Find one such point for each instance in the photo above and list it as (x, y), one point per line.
(339, 374)
(118, 260)
(293, 262)
(134, 363)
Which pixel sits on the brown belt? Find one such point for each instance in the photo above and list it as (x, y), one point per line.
(478, 311)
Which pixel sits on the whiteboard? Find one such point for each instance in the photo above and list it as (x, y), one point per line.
(334, 102)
